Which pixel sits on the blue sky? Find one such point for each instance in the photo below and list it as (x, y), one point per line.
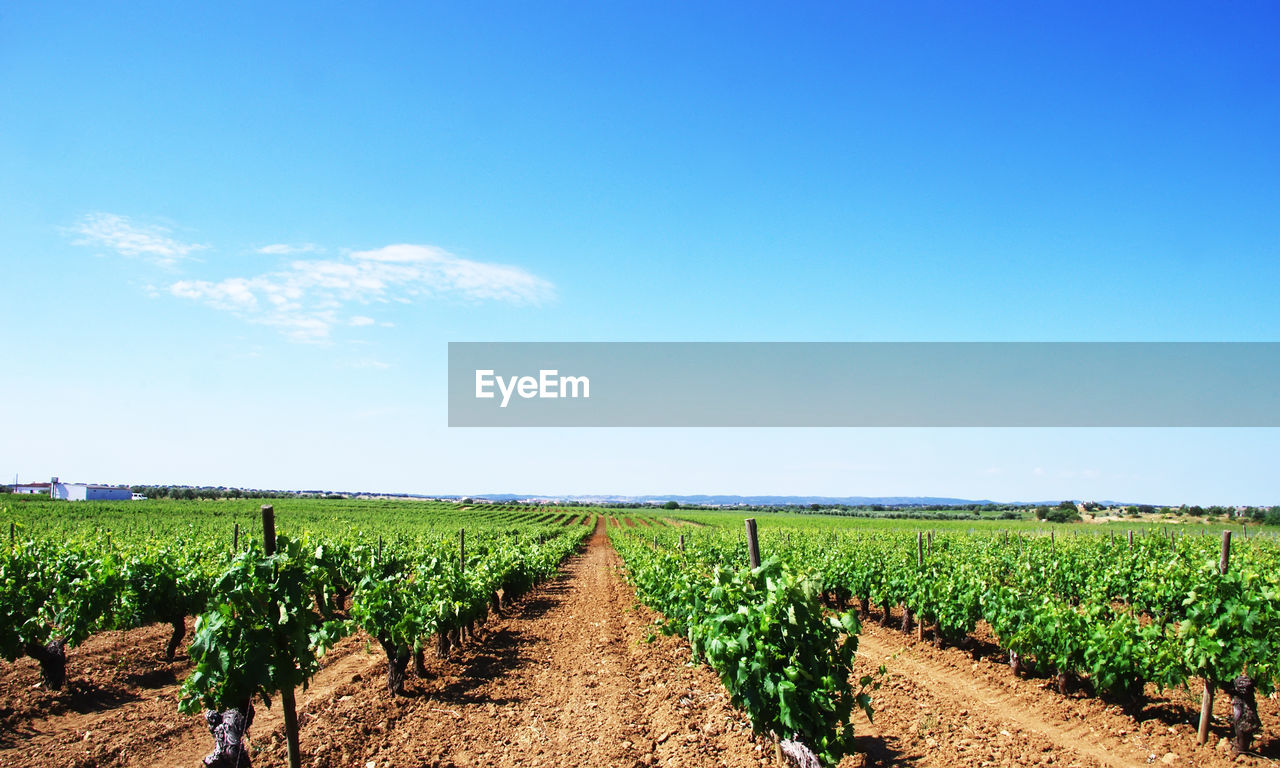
(202, 208)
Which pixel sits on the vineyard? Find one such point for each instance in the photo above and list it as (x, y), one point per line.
(350, 632)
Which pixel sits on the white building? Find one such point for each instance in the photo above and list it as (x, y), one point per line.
(87, 492)
(32, 488)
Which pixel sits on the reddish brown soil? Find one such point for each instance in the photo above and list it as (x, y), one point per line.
(566, 679)
(962, 707)
(120, 697)
(110, 670)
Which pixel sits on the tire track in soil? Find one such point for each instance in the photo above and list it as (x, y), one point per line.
(939, 707)
(1016, 718)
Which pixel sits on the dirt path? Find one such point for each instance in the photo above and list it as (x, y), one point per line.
(941, 707)
(567, 678)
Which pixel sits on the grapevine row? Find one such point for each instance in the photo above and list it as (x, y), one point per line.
(1113, 613)
(764, 631)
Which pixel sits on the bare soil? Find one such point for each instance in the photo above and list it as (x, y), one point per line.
(962, 707)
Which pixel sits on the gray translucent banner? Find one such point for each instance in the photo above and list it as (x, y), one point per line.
(1014, 384)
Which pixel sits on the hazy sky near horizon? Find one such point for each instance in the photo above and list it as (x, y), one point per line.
(238, 239)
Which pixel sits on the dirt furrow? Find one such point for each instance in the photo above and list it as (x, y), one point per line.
(983, 701)
(945, 707)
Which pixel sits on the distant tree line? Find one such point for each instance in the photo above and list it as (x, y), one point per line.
(914, 511)
(625, 505)
(1269, 515)
(188, 492)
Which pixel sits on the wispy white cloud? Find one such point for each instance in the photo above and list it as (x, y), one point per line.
(288, 249)
(305, 301)
(233, 293)
(127, 238)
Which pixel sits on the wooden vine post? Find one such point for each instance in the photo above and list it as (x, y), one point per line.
(286, 695)
(1206, 699)
(462, 567)
(919, 567)
(682, 542)
(753, 553)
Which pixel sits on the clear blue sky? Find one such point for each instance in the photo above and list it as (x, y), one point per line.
(200, 206)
